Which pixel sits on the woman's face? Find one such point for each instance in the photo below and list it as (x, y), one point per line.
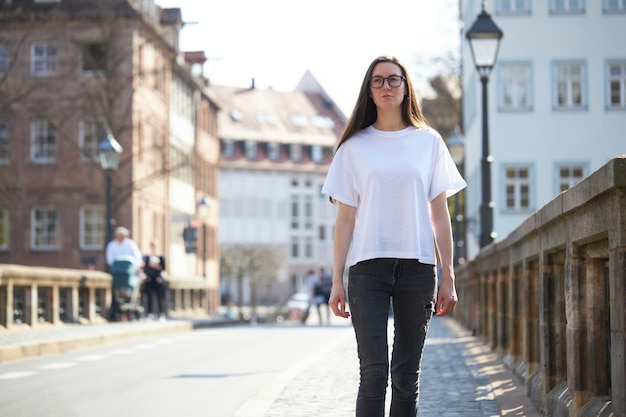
(393, 89)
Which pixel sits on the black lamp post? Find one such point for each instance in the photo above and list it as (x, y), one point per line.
(203, 213)
(456, 145)
(109, 152)
(484, 38)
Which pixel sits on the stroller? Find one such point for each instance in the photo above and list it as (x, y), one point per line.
(126, 282)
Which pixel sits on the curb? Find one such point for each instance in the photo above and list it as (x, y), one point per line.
(62, 344)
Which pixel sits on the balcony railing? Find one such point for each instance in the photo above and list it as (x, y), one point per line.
(550, 298)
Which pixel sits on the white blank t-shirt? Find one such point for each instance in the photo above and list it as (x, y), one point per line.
(390, 177)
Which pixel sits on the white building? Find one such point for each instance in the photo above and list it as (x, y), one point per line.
(275, 152)
(557, 103)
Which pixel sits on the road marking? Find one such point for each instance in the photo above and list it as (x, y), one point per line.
(122, 351)
(15, 375)
(93, 357)
(144, 346)
(58, 365)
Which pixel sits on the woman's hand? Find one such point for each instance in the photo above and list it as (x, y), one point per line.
(337, 301)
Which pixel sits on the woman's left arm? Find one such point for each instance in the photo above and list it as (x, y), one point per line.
(440, 218)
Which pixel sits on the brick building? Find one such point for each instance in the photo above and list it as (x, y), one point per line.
(71, 70)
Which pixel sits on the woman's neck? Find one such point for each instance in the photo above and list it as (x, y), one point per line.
(389, 122)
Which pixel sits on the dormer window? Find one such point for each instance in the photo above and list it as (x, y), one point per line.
(298, 120)
(323, 122)
(236, 115)
(265, 118)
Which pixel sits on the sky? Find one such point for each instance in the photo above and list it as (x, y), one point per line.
(277, 41)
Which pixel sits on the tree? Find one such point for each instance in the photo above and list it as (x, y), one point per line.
(258, 263)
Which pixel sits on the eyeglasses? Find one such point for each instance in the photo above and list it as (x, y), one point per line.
(394, 81)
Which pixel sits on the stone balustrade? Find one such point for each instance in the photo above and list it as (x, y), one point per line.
(36, 296)
(550, 298)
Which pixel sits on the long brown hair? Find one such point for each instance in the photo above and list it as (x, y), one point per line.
(365, 113)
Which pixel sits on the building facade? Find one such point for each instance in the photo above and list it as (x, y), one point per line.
(276, 148)
(70, 71)
(557, 104)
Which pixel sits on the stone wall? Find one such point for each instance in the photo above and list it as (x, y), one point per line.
(551, 298)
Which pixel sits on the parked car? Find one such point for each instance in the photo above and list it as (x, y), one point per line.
(297, 306)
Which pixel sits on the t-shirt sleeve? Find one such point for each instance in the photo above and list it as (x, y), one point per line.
(340, 180)
(446, 176)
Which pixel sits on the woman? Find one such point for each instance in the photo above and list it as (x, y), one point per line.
(154, 283)
(390, 177)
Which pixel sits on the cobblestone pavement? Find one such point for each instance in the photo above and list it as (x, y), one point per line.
(450, 386)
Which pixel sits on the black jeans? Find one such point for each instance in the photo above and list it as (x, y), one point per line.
(409, 287)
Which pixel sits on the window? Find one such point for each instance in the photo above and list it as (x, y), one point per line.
(321, 232)
(295, 223)
(569, 89)
(570, 175)
(92, 227)
(612, 6)
(322, 122)
(44, 228)
(90, 135)
(43, 60)
(567, 6)
(296, 152)
(4, 229)
(4, 59)
(513, 6)
(308, 212)
(251, 149)
(94, 57)
(617, 85)
(43, 141)
(308, 247)
(265, 118)
(4, 142)
(298, 120)
(228, 148)
(316, 153)
(295, 253)
(273, 151)
(515, 89)
(517, 189)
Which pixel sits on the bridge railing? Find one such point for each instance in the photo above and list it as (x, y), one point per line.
(38, 296)
(550, 298)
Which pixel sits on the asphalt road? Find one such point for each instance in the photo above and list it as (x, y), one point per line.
(214, 372)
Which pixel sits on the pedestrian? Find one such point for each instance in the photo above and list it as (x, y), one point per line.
(123, 259)
(325, 281)
(315, 296)
(390, 178)
(154, 283)
(122, 246)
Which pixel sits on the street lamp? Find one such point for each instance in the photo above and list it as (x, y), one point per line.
(484, 39)
(456, 145)
(109, 152)
(204, 206)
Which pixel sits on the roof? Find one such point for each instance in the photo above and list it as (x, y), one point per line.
(267, 115)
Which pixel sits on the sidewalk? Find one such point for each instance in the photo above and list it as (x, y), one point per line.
(460, 378)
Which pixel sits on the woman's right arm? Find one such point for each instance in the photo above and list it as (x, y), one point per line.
(344, 226)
